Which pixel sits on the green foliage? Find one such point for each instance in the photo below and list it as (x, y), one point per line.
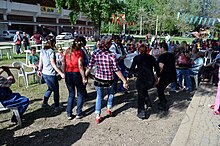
(111, 28)
(142, 12)
(167, 13)
(96, 10)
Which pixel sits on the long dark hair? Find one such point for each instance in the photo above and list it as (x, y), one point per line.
(76, 45)
(47, 45)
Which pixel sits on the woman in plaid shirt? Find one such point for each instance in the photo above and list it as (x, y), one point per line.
(106, 65)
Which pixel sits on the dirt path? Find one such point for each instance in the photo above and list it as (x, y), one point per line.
(45, 127)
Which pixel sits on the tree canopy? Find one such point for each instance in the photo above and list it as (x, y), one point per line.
(96, 10)
(143, 13)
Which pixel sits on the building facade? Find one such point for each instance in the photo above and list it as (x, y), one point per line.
(40, 16)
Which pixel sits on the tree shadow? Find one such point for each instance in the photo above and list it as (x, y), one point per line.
(129, 100)
(34, 100)
(7, 136)
(30, 117)
(179, 101)
(68, 135)
(91, 96)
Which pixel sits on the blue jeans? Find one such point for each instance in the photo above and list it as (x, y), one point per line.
(18, 48)
(74, 79)
(53, 86)
(16, 100)
(100, 91)
(185, 73)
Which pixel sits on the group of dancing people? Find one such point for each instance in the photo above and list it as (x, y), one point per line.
(105, 62)
(75, 66)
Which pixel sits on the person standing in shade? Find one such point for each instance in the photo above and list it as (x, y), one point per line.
(120, 56)
(59, 58)
(167, 74)
(17, 40)
(75, 34)
(105, 62)
(37, 38)
(26, 41)
(143, 65)
(47, 69)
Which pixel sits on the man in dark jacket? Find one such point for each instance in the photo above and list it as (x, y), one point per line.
(167, 74)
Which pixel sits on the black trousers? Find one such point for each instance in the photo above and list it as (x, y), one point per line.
(142, 89)
(161, 86)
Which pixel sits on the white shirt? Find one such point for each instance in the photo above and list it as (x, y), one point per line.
(117, 52)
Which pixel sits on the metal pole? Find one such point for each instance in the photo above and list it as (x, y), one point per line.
(124, 25)
(156, 25)
(141, 26)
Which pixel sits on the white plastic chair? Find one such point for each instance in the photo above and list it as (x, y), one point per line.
(208, 58)
(14, 110)
(196, 79)
(23, 73)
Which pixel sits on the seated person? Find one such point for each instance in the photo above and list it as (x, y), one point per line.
(8, 98)
(210, 71)
(197, 63)
(33, 59)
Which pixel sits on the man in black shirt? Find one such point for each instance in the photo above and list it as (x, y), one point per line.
(167, 74)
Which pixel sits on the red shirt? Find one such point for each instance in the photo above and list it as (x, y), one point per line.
(37, 38)
(72, 60)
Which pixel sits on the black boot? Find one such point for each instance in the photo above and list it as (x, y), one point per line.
(141, 114)
(163, 106)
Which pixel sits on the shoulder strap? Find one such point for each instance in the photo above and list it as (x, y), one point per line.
(116, 48)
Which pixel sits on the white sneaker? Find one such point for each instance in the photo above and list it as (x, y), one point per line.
(79, 117)
(69, 118)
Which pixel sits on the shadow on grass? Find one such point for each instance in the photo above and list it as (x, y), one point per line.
(68, 135)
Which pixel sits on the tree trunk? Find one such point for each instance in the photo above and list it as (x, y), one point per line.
(100, 22)
(109, 23)
(141, 26)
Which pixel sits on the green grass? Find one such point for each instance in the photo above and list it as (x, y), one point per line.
(90, 43)
(15, 57)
